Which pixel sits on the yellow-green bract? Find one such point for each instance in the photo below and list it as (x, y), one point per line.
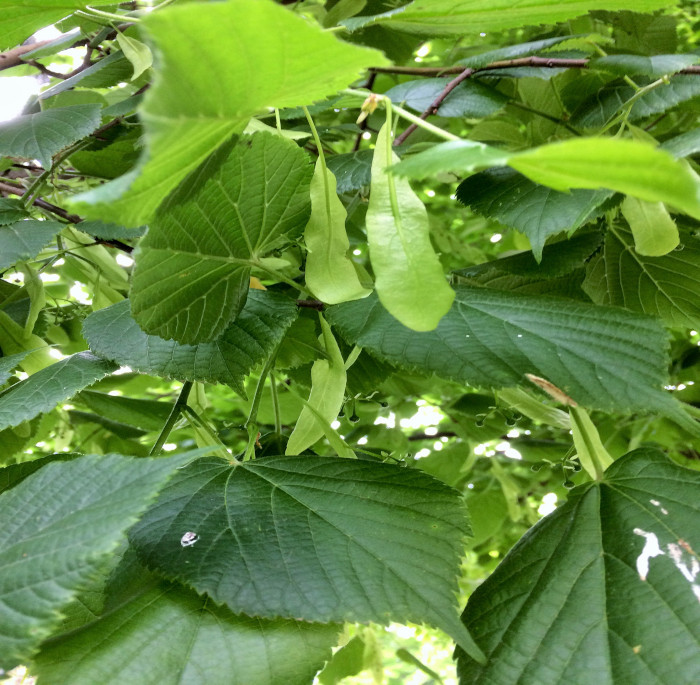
(655, 232)
(409, 278)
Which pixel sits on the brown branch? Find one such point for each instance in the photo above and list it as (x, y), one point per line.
(13, 58)
(435, 104)
(311, 304)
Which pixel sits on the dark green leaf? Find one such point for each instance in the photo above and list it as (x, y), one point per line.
(43, 390)
(352, 170)
(347, 661)
(631, 65)
(98, 229)
(15, 473)
(25, 239)
(321, 539)
(9, 363)
(113, 333)
(683, 145)
(666, 287)
(40, 136)
(83, 508)
(512, 51)
(191, 276)
(148, 415)
(603, 590)
(11, 210)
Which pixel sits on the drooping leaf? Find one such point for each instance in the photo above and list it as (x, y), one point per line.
(138, 53)
(654, 65)
(537, 211)
(469, 99)
(190, 640)
(40, 136)
(43, 390)
(409, 278)
(602, 358)
(329, 271)
(328, 379)
(626, 166)
(665, 287)
(83, 507)
(321, 539)
(192, 271)
(447, 17)
(602, 590)
(655, 232)
(352, 170)
(205, 93)
(113, 334)
(25, 239)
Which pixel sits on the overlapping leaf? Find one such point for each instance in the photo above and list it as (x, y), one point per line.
(666, 287)
(205, 93)
(319, 539)
(113, 334)
(25, 239)
(43, 390)
(192, 271)
(352, 170)
(603, 590)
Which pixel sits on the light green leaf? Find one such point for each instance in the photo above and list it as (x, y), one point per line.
(655, 232)
(626, 166)
(138, 53)
(603, 358)
(318, 539)
(113, 334)
(589, 448)
(460, 156)
(25, 239)
(43, 390)
(601, 590)
(40, 136)
(83, 507)
(409, 278)
(190, 640)
(205, 93)
(665, 287)
(328, 379)
(330, 273)
(255, 126)
(448, 17)
(192, 271)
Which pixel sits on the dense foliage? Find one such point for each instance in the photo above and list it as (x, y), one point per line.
(311, 312)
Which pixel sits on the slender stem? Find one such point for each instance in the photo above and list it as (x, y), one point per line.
(544, 115)
(251, 424)
(172, 418)
(275, 404)
(317, 140)
(278, 123)
(281, 277)
(198, 423)
(110, 15)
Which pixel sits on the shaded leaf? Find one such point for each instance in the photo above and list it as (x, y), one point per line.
(352, 170)
(40, 136)
(25, 240)
(192, 271)
(43, 390)
(600, 590)
(9, 363)
(11, 210)
(683, 145)
(631, 65)
(319, 539)
(148, 415)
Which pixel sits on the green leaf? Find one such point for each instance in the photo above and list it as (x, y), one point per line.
(205, 93)
(469, 99)
(512, 51)
(602, 590)
(192, 271)
(113, 333)
(148, 415)
(329, 273)
(603, 358)
(347, 661)
(43, 390)
(352, 170)
(11, 210)
(15, 473)
(25, 240)
(138, 53)
(9, 363)
(532, 209)
(190, 640)
(626, 166)
(655, 65)
(40, 136)
(683, 145)
(328, 379)
(104, 231)
(665, 287)
(318, 539)
(83, 506)
(460, 156)
(590, 450)
(409, 278)
(448, 17)
(655, 232)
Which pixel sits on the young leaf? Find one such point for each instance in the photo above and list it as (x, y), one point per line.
(192, 275)
(43, 390)
(137, 53)
(601, 590)
(84, 506)
(655, 232)
(40, 136)
(328, 378)
(409, 278)
(113, 334)
(321, 539)
(627, 166)
(330, 273)
(206, 93)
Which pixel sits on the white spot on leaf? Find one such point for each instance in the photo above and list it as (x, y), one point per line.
(188, 539)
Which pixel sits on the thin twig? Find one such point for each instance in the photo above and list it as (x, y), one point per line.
(369, 84)
(172, 418)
